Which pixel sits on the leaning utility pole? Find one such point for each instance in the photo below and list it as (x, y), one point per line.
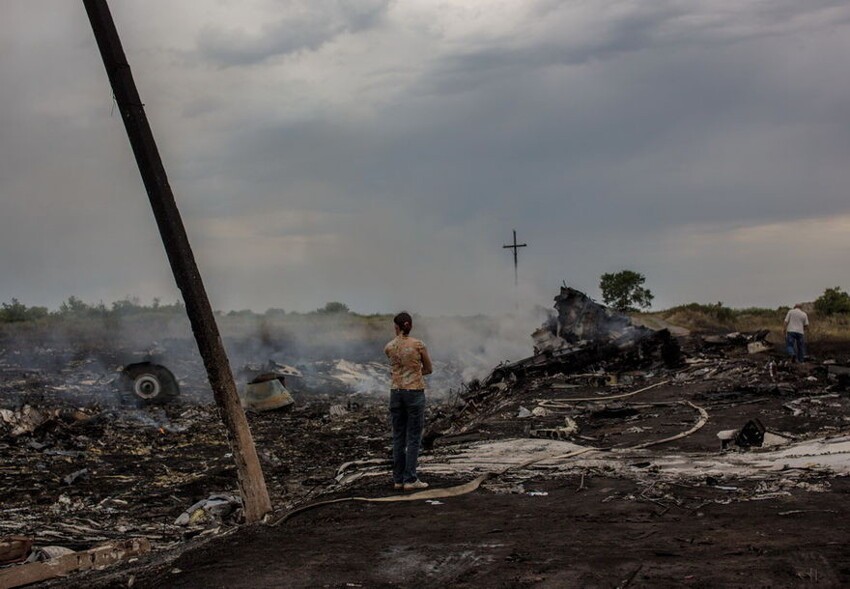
(255, 496)
(515, 247)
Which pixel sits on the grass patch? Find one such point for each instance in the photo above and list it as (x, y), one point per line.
(718, 318)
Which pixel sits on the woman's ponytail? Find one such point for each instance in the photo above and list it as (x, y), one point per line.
(404, 322)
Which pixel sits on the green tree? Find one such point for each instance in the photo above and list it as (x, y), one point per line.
(832, 301)
(36, 313)
(14, 311)
(624, 290)
(74, 306)
(128, 306)
(333, 307)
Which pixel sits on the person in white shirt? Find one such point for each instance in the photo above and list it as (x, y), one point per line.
(796, 322)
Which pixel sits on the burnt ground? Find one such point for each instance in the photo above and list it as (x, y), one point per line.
(586, 525)
(93, 475)
(564, 539)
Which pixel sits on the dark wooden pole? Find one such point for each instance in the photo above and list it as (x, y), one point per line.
(255, 496)
(515, 247)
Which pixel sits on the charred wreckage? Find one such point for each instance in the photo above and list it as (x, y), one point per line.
(584, 333)
(582, 336)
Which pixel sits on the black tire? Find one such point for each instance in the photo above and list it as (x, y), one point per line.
(149, 384)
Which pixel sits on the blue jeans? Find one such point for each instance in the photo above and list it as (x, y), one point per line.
(795, 345)
(407, 410)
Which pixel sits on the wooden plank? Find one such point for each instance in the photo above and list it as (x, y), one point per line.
(95, 558)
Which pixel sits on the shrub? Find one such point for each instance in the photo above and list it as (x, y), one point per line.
(833, 301)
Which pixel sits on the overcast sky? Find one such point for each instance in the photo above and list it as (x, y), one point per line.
(380, 152)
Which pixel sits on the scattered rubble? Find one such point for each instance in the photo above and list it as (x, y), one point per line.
(600, 399)
(214, 509)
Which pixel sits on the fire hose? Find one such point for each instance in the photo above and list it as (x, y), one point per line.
(559, 403)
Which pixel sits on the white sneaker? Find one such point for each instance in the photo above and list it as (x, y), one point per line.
(417, 484)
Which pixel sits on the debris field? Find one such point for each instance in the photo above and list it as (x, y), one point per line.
(616, 455)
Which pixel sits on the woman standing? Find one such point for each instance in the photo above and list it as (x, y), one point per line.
(409, 363)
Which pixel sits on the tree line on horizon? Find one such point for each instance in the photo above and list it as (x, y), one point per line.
(623, 291)
(15, 311)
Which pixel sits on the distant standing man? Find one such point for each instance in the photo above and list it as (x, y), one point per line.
(409, 363)
(796, 322)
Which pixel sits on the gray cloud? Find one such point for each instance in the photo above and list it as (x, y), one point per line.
(702, 145)
(294, 26)
(617, 28)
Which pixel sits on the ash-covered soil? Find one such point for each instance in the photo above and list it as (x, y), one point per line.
(565, 538)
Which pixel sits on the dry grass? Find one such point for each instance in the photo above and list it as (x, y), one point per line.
(719, 319)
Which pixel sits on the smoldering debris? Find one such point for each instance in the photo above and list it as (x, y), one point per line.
(584, 336)
(610, 402)
(580, 321)
(585, 332)
(106, 378)
(99, 376)
(84, 477)
(586, 346)
(634, 416)
(368, 379)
